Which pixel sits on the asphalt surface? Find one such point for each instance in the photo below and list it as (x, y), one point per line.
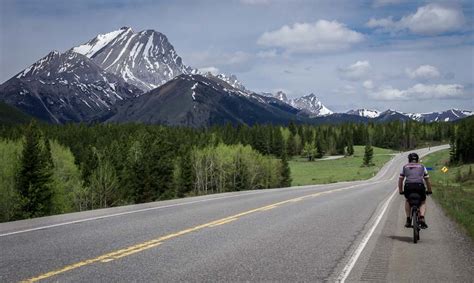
(307, 233)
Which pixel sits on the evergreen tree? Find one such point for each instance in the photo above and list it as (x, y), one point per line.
(368, 154)
(34, 182)
(291, 145)
(292, 128)
(185, 179)
(277, 142)
(319, 149)
(285, 172)
(350, 149)
(452, 150)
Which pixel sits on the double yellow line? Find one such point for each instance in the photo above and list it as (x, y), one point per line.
(158, 241)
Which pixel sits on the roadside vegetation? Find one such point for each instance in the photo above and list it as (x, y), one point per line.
(453, 190)
(52, 169)
(347, 168)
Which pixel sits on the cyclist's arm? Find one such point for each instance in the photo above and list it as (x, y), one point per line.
(400, 184)
(427, 180)
(400, 181)
(428, 184)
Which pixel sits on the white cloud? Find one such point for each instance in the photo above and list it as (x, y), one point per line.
(355, 72)
(423, 72)
(420, 92)
(380, 3)
(267, 54)
(368, 84)
(431, 19)
(212, 70)
(319, 36)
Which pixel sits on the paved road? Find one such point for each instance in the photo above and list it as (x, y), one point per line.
(310, 233)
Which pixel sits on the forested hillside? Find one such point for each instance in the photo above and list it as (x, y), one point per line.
(50, 169)
(11, 115)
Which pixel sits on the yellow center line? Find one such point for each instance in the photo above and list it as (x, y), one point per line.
(158, 241)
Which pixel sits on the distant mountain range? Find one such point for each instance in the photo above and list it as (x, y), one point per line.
(127, 76)
(389, 115)
(314, 107)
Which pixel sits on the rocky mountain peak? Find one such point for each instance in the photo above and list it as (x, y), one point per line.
(146, 59)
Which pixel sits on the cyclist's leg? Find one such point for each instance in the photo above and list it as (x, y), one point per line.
(423, 208)
(407, 208)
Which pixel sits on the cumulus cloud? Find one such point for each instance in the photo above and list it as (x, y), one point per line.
(368, 84)
(355, 72)
(320, 36)
(423, 72)
(420, 92)
(432, 19)
(211, 69)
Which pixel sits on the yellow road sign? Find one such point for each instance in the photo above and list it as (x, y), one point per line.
(444, 169)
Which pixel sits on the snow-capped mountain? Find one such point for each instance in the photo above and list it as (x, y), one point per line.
(312, 104)
(309, 103)
(369, 113)
(443, 116)
(145, 59)
(280, 95)
(66, 87)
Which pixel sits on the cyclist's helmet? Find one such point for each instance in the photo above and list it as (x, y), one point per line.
(413, 157)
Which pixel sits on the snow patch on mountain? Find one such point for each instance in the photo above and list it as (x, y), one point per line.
(369, 113)
(309, 103)
(90, 48)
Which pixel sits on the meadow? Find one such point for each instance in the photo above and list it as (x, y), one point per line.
(348, 168)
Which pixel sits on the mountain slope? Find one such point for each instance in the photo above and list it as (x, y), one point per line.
(197, 101)
(443, 116)
(61, 88)
(145, 59)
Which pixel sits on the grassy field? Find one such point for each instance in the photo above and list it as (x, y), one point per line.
(455, 194)
(343, 169)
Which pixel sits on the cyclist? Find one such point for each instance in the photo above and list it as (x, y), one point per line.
(415, 176)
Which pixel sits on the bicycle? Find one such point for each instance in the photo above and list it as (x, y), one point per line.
(414, 200)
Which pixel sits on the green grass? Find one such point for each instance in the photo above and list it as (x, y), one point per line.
(455, 196)
(343, 169)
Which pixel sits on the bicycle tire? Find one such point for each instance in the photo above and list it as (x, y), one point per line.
(416, 230)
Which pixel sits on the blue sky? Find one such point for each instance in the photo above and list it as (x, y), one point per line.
(414, 56)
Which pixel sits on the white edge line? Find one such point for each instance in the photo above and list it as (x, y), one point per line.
(355, 256)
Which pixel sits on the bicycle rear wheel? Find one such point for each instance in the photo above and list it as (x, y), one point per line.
(416, 229)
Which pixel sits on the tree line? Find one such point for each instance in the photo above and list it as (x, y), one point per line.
(52, 169)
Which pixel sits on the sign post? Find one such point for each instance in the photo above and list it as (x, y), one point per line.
(445, 171)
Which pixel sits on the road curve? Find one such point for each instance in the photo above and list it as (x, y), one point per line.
(310, 233)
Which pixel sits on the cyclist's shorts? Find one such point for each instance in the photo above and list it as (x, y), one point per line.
(415, 188)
